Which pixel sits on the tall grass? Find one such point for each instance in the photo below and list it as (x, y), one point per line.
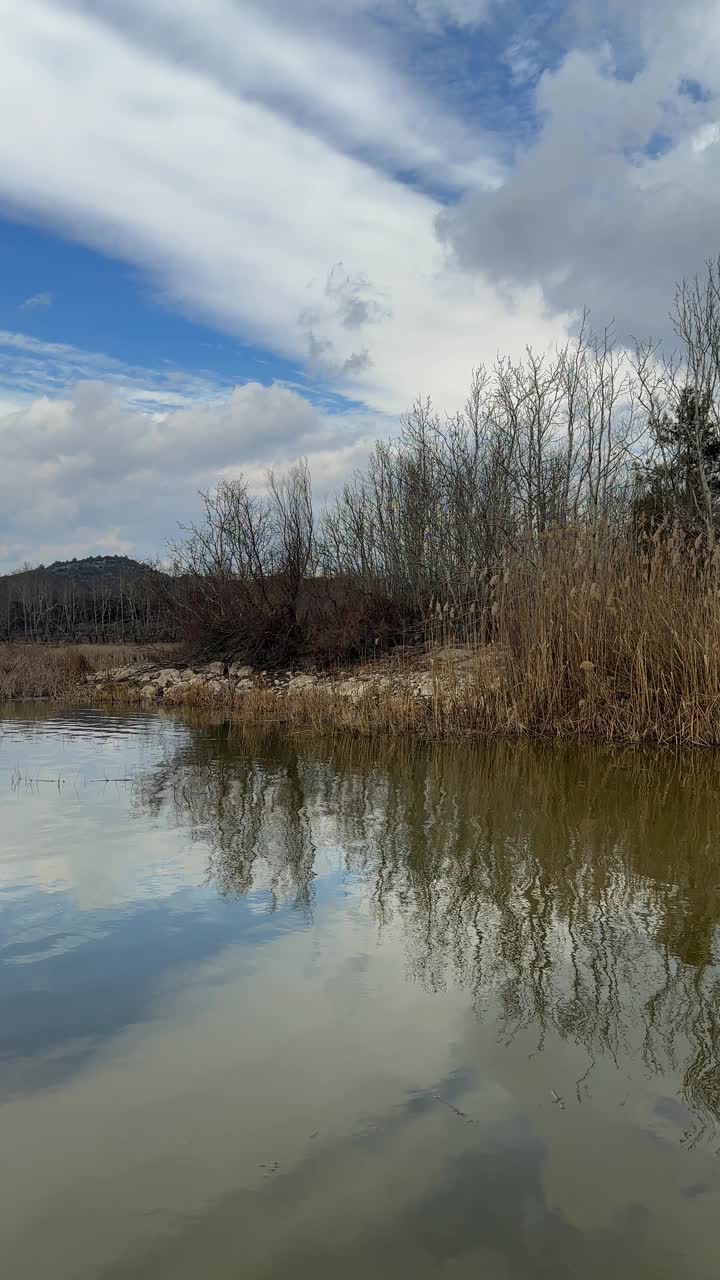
(592, 636)
(601, 638)
(50, 671)
(614, 640)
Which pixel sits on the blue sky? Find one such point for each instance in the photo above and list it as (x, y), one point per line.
(233, 231)
(58, 290)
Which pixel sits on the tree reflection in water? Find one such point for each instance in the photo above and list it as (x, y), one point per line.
(569, 889)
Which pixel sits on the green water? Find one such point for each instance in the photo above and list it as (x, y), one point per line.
(291, 1008)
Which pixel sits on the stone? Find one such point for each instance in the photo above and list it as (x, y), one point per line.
(214, 669)
(424, 688)
(240, 672)
(165, 678)
(303, 681)
(353, 689)
(149, 691)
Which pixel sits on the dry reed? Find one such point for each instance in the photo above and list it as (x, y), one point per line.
(618, 643)
(48, 671)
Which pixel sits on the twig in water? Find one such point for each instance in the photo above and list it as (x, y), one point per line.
(557, 1099)
(106, 780)
(462, 1114)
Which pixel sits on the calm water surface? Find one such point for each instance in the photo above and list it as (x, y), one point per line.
(293, 1008)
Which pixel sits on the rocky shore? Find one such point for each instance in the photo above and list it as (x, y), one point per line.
(217, 682)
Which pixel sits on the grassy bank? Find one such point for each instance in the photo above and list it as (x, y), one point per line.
(609, 642)
(58, 671)
(598, 639)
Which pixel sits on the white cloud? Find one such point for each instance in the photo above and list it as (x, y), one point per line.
(238, 211)
(93, 472)
(245, 154)
(30, 367)
(40, 300)
(458, 13)
(617, 197)
(341, 89)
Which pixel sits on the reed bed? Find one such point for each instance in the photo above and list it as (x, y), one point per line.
(30, 671)
(600, 639)
(604, 639)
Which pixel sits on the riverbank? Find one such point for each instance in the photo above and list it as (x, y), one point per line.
(60, 672)
(447, 693)
(435, 695)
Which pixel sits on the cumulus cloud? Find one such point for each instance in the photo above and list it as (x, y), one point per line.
(285, 172)
(617, 197)
(92, 471)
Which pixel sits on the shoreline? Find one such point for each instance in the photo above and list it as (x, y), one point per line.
(449, 695)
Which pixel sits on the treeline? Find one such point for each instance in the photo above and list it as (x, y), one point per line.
(560, 474)
(573, 503)
(101, 600)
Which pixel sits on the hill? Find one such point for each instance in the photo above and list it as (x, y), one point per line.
(110, 570)
(98, 598)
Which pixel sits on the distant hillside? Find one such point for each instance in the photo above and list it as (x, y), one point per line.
(111, 571)
(95, 569)
(98, 598)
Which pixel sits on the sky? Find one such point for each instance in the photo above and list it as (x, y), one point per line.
(237, 231)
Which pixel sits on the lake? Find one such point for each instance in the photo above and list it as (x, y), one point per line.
(279, 1006)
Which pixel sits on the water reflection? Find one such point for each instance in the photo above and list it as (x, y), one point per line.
(569, 890)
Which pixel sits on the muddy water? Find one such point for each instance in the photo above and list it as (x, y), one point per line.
(284, 1007)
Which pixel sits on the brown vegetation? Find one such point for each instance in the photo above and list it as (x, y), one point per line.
(47, 671)
(617, 644)
(590, 446)
(96, 600)
(563, 527)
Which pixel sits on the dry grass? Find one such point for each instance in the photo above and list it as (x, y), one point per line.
(618, 643)
(49, 671)
(614, 644)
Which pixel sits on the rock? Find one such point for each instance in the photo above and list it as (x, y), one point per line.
(353, 689)
(165, 678)
(136, 672)
(239, 672)
(214, 669)
(149, 691)
(244, 686)
(302, 681)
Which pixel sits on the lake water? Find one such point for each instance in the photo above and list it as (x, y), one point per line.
(293, 1008)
